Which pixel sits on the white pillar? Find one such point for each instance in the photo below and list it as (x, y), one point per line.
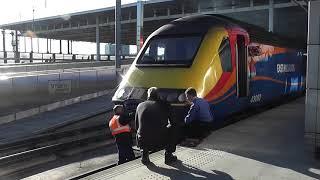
(271, 14)
(312, 114)
(139, 39)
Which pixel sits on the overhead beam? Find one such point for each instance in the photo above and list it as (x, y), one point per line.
(224, 11)
(305, 9)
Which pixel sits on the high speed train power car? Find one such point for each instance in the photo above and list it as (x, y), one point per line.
(233, 65)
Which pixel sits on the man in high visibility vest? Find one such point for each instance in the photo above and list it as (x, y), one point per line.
(120, 129)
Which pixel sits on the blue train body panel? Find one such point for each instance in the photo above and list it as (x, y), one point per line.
(275, 76)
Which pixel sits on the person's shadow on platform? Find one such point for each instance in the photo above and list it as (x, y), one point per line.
(182, 171)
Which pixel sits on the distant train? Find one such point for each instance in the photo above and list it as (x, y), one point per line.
(231, 64)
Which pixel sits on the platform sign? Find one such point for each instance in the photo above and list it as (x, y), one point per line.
(59, 86)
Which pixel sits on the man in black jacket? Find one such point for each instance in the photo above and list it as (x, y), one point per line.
(154, 132)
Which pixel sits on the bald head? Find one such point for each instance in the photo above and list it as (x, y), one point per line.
(153, 93)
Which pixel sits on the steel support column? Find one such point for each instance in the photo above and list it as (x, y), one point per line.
(38, 45)
(68, 47)
(118, 34)
(25, 43)
(182, 8)
(31, 44)
(4, 40)
(47, 45)
(17, 54)
(98, 38)
(139, 25)
(4, 46)
(312, 114)
(60, 47)
(271, 15)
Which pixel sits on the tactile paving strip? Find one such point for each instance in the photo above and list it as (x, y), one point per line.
(202, 158)
(157, 158)
(191, 159)
(155, 176)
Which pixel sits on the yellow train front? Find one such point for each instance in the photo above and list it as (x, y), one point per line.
(227, 63)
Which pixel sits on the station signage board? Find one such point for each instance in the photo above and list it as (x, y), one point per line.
(59, 87)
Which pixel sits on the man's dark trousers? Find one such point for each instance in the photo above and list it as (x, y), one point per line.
(198, 129)
(124, 145)
(169, 143)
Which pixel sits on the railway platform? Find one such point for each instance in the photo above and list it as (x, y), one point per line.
(269, 145)
(51, 120)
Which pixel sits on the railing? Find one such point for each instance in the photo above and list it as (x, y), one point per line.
(10, 57)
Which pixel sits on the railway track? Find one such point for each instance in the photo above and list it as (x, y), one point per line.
(56, 134)
(46, 147)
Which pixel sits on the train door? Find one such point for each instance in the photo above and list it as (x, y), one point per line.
(241, 62)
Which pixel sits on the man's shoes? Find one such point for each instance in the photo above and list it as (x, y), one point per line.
(170, 158)
(145, 161)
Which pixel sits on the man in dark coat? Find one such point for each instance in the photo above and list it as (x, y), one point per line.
(154, 132)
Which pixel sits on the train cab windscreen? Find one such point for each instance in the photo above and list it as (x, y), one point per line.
(170, 51)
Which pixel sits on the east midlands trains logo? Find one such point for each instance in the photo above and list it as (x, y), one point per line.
(285, 68)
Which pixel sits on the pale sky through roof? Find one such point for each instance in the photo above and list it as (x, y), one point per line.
(20, 10)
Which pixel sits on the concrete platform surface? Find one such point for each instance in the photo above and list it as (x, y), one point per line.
(269, 145)
(30, 126)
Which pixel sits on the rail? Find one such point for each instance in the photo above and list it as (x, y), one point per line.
(49, 136)
(52, 142)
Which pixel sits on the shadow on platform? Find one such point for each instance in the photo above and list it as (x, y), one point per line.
(274, 137)
(182, 171)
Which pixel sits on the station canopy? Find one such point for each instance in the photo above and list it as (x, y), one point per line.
(81, 26)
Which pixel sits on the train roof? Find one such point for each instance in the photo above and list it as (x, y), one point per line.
(199, 24)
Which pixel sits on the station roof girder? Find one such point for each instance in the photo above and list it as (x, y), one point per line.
(81, 26)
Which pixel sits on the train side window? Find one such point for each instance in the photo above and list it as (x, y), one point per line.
(225, 55)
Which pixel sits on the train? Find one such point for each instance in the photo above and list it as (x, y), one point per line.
(233, 65)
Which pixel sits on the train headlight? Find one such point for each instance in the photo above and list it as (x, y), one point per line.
(123, 93)
(182, 97)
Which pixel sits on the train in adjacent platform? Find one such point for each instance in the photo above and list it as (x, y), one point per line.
(231, 64)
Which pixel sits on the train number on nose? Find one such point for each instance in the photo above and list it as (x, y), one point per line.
(255, 98)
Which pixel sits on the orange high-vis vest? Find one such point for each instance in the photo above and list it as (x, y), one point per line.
(116, 127)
